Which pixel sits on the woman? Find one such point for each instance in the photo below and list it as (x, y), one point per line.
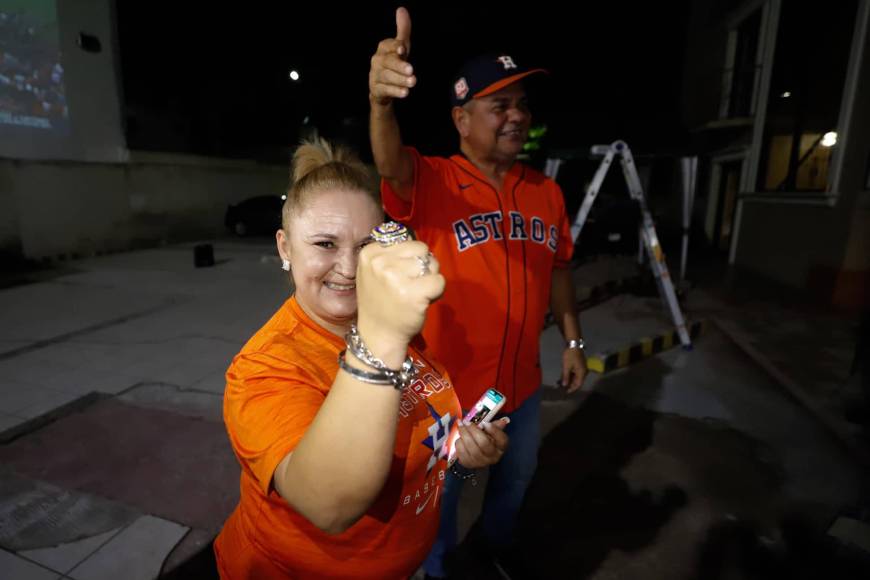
(340, 476)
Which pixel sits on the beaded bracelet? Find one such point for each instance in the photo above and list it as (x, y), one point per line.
(469, 474)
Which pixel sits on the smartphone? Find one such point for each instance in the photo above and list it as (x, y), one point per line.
(486, 408)
(484, 411)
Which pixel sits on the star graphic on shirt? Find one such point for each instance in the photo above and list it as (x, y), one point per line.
(439, 431)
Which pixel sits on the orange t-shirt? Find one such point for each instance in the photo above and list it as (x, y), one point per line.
(497, 250)
(275, 387)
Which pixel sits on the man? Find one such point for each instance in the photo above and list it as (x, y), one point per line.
(501, 235)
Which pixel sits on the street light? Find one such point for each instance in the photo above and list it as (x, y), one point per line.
(829, 139)
(294, 75)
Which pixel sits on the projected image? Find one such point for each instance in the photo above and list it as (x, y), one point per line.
(31, 74)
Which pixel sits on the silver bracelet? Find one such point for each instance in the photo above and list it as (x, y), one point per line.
(378, 378)
(398, 379)
(578, 343)
(359, 349)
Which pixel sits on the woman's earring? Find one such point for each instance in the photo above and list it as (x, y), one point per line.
(285, 265)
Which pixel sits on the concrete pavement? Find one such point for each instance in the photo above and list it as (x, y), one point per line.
(114, 456)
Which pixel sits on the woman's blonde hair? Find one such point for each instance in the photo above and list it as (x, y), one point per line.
(319, 165)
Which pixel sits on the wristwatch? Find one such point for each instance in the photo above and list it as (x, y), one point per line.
(576, 343)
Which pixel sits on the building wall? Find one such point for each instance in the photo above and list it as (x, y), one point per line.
(92, 86)
(852, 286)
(824, 249)
(789, 242)
(704, 62)
(856, 170)
(93, 80)
(858, 247)
(82, 192)
(74, 208)
(10, 237)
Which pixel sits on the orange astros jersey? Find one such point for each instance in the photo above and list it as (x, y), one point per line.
(497, 250)
(275, 387)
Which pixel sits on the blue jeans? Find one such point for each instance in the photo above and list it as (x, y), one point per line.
(505, 489)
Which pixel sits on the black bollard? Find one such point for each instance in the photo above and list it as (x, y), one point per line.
(203, 255)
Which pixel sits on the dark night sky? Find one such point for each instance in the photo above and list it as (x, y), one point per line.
(214, 81)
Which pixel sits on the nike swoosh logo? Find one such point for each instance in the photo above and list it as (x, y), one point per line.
(464, 185)
(422, 506)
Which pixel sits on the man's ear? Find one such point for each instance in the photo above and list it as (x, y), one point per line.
(460, 121)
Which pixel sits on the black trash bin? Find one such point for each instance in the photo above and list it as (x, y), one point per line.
(203, 255)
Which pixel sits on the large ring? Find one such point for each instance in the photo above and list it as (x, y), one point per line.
(424, 265)
(390, 233)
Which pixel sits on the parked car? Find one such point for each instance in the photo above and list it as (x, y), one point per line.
(255, 215)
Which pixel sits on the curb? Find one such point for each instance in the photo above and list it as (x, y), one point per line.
(51, 416)
(648, 346)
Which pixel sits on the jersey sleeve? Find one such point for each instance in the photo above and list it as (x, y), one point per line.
(427, 183)
(268, 406)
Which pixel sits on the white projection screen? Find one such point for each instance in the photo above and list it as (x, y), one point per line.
(57, 100)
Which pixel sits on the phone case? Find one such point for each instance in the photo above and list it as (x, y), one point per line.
(486, 408)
